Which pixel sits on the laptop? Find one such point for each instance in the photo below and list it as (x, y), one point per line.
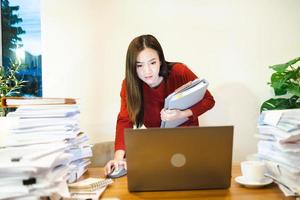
(184, 158)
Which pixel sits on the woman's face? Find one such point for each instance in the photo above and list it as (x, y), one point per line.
(148, 66)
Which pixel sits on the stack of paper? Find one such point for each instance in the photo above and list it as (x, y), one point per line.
(43, 152)
(33, 170)
(279, 146)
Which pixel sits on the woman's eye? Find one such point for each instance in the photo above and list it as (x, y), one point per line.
(138, 65)
(153, 63)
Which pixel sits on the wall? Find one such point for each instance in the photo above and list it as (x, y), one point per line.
(230, 43)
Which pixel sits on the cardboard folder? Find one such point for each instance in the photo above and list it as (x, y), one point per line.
(18, 101)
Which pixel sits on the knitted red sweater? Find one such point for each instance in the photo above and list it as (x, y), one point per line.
(154, 102)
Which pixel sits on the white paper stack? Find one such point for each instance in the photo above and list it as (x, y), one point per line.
(43, 152)
(33, 170)
(279, 146)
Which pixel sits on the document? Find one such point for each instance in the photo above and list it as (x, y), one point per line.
(183, 99)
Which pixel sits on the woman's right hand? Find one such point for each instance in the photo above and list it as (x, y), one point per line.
(114, 164)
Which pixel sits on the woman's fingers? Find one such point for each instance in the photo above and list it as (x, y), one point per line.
(123, 163)
(169, 115)
(114, 164)
(108, 167)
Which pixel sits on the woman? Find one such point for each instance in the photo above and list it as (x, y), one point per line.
(149, 79)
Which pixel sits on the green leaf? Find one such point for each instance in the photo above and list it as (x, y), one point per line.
(294, 99)
(280, 91)
(281, 81)
(280, 67)
(276, 104)
(10, 85)
(293, 74)
(293, 61)
(294, 89)
(277, 80)
(283, 67)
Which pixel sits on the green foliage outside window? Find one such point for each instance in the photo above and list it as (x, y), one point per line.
(11, 32)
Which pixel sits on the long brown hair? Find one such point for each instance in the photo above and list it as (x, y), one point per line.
(134, 86)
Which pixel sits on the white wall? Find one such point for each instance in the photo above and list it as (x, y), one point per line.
(231, 43)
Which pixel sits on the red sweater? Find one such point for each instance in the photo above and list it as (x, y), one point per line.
(154, 102)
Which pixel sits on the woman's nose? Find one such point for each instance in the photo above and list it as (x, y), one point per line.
(147, 69)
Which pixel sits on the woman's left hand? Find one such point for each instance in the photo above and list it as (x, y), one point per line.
(170, 115)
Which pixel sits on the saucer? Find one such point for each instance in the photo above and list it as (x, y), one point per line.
(241, 180)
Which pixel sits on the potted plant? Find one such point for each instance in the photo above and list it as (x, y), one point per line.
(285, 82)
(10, 85)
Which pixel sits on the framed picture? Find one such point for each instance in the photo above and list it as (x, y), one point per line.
(21, 43)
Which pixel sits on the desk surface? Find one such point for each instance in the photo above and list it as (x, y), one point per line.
(118, 190)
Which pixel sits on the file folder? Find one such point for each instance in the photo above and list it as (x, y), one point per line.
(184, 99)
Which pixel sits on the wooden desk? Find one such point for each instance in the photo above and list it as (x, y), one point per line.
(118, 190)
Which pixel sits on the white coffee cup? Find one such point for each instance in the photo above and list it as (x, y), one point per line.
(253, 171)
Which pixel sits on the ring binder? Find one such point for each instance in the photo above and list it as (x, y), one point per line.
(183, 98)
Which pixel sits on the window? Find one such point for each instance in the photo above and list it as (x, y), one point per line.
(21, 42)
